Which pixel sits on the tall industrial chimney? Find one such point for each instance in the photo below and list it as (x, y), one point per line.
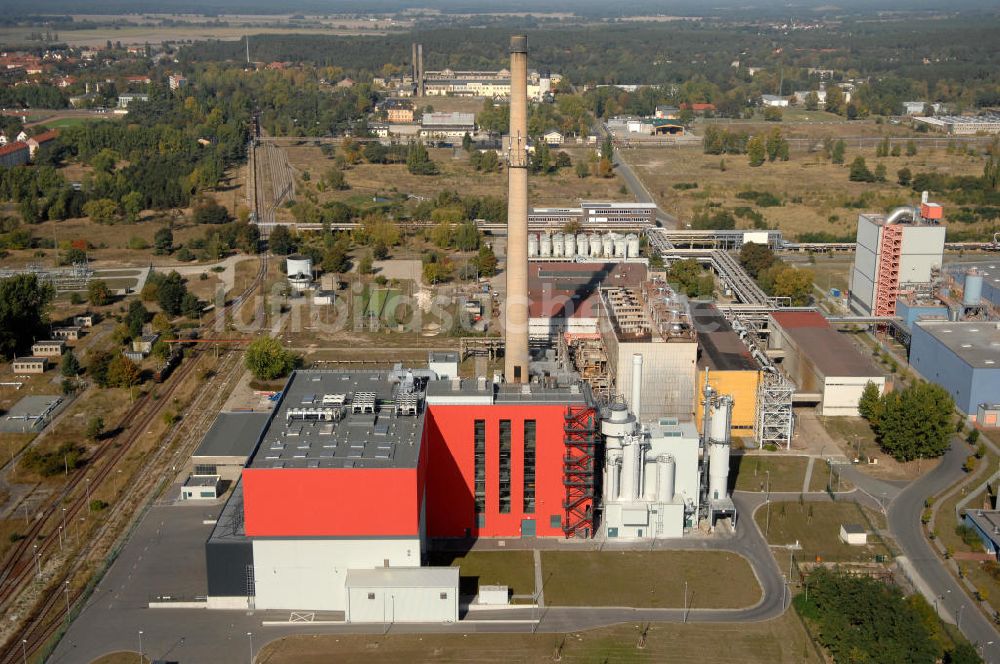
(516, 308)
(413, 64)
(420, 70)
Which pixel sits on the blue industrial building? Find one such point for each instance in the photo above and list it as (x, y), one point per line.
(910, 310)
(988, 274)
(962, 357)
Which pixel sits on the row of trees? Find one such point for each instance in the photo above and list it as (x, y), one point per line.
(776, 277)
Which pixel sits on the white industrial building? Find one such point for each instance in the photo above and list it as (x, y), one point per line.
(402, 595)
(904, 247)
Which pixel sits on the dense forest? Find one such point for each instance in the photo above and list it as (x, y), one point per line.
(954, 62)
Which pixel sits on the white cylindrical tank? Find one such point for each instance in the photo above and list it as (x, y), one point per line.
(718, 471)
(665, 473)
(619, 242)
(558, 244)
(973, 293)
(721, 419)
(569, 250)
(631, 468)
(631, 245)
(613, 471)
(299, 271)
(616, 426)
(582, 245)
(595, 245)
(545, 245)
(608, 245)
(532, 245)
(635, 396)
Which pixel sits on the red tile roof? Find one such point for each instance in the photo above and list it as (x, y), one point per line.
(46, 136)
(13, 147)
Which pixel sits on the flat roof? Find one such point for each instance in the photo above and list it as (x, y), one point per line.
(344, 419)
(852, 528)
(571, 290)
(202, 480)
(829, 351)
(442, 356)
(721, 348)
(975, 343)
(988, 521)
(402, 577)
(486, 391)
(233, 435)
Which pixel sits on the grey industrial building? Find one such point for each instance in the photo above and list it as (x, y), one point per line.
(228, 444)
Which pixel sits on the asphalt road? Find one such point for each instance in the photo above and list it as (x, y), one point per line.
(904, 523)
(635, 185)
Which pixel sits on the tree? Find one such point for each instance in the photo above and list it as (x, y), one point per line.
(97, 366)
(69, 366)
(24, 304)
(132, 204)
(334, 178)
(880, 172)
(755, 258)
(101, 210)
(418, 161)
(582, 169)
(281, 241)
(98, 293)
(170, 294)
(208, 211)
(991, 172)
(163, 241)
(915, 421)
(365, 265)
(870, 403)
(136, 318)
(791, 282)
(756, 151)
(466, 142)
(859, 171)
(773, 114)
(911, 148)
(834, 100)
(267, 359)
(962, 653)
(95, 427)
(123, 372)
(904, 177)
(486, 261)
(837, 153)
(812, 101)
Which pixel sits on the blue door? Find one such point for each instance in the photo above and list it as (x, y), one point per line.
(528, 528)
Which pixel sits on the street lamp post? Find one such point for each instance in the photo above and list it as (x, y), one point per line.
(250, 636)
(24, 650)
(66, 593)
(685, 601)
(142, 657)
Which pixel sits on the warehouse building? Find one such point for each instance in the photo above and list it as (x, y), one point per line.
(50, 348)
(821, 362)
(962, 357)
(358, 470)
(724, 361)
(228, 445)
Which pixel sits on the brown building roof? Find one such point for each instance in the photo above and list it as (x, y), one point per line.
(719, 347)
(828, 350)
(570, 290)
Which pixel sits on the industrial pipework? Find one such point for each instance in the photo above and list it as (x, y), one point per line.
(516, 306)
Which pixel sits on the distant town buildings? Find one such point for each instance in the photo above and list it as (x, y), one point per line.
(963, 125)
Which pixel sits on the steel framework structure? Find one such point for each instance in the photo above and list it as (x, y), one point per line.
(774, 410)
(579, 476)
(73, 278)
(887, 282)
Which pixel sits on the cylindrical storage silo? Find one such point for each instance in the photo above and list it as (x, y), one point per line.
(718, 470)
(569, 250)
(631, 468)
(665, 471)
(558, 244)
(973, 293)
(632, 245)
(533, 245)
(608, 245)
(721, 414)
(619, 242)
(595, 245)
(299, 271)
(545, 245)
(582, 245)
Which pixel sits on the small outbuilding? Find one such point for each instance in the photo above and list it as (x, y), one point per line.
(70, 333)
(853, 534)
(402, 595)
(50, 348)
(201, 487)
(24, 366)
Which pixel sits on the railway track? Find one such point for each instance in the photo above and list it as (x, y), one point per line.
(24, 560)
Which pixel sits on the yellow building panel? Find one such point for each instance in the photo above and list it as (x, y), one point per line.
(742, 387)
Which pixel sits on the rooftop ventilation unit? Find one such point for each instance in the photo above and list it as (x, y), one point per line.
(363, 402)
(407, 403)
(334, 399)
(313, 414)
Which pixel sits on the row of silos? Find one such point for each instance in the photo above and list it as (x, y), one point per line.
(583, 245)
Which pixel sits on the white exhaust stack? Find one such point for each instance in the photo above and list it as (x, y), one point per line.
(516, 307)
(636, 399)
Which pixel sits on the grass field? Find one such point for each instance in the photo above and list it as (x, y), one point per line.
(780, 641)
(514, 569)
(370, 180)
(63, 123)
(816, 194)
(751, 472)
(816, 527)
(648, 579)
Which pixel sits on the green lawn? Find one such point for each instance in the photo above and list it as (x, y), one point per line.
(779, 641)
(816, 527)
(648, 579)
(63, 123)
(515, 569)
(750, 472)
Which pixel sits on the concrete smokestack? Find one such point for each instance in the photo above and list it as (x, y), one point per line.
(413, 64)
(420, 70)
(516, 308)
